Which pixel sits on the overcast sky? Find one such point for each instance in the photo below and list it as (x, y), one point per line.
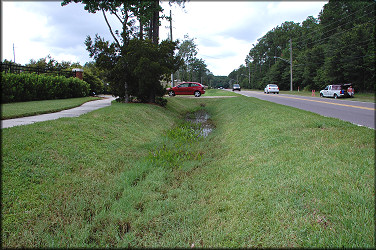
(224, 31)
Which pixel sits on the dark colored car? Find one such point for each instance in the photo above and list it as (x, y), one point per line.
(187, 88)
(236, 87)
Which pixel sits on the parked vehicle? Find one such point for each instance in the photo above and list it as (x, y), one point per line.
(236, 87)
(187, 88)
(337, 91)
(271, 88)
(349, 89)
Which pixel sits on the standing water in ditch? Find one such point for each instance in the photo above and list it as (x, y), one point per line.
(201, 122)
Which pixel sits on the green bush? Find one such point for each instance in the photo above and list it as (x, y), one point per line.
(96, 85)
(32, 87)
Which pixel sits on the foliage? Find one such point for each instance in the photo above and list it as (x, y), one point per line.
(147, 63)
(220, 81)
(49, 63)
(193, 69)
(30, 87)
(125, 78)
(338, 47)
(240, 76)
(96, 85)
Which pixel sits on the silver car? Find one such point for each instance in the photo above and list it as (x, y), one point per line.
(271, 88)
(236, 87)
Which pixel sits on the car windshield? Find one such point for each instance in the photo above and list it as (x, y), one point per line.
(273, 85)
(236, 85)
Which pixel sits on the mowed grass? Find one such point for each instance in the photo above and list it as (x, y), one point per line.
(135, 175)
(218, 92)
(22, 109)
(360, 97)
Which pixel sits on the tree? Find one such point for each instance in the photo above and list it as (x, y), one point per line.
(338, 47)
(187, 51)
(49, 63)
(113, 57)
(192, 68)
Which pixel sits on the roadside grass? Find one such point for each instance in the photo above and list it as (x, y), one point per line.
(360, 97)
(136, 175)
(22, 109)
(218, 92)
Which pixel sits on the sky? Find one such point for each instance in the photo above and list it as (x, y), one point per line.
(224, 31)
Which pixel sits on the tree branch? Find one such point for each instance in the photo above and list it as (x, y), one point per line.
(114, 13)
(112, 33)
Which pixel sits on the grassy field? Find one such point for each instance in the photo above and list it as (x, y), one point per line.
(22, 109)
(135, 175)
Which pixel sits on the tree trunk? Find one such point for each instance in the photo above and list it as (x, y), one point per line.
(141, 35)
(155, 23)
(152, 97)
(126, 96)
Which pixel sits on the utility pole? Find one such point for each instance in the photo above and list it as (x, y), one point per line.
(172, 75)
(14, 54)
(249, 74)
(290, 65)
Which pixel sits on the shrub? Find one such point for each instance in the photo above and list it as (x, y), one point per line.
(31, 87)
(95, 83)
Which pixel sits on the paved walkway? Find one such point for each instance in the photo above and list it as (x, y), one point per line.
(74, 112)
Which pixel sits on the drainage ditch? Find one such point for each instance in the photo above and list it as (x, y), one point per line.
(201, 122)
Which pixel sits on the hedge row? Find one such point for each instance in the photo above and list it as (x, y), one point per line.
(32, 87)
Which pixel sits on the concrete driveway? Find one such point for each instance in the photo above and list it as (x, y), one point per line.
(74, 112)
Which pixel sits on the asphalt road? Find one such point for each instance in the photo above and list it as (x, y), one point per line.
(359, 113)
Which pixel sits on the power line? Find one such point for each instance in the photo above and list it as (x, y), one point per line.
(324, 26)
(336, 34)
(347, 60)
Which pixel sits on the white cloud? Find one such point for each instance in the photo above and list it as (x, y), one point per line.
(224, 30)
(38, 29)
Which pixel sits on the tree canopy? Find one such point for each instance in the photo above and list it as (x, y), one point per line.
(135, 61)
(337, 47)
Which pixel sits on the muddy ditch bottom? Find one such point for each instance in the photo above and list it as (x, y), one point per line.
(202, 119)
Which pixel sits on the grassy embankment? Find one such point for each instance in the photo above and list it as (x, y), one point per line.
(22, 109)
(135, 175)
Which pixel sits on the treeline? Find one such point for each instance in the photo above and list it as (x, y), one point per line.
(337, 47)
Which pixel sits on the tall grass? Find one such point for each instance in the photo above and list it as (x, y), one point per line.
(135, 175)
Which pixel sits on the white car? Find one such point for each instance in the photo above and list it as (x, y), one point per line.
(271, 88)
